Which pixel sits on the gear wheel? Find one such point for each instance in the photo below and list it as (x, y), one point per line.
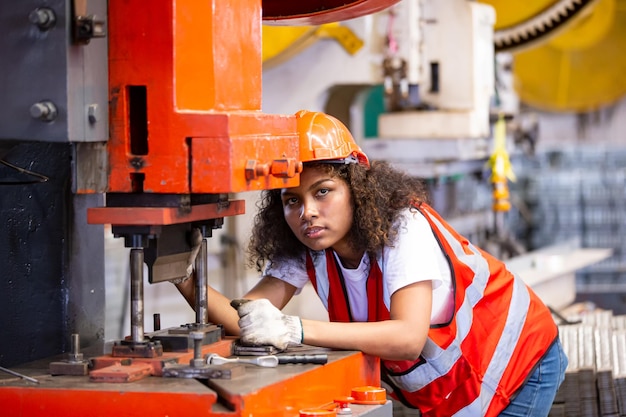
(530, 31)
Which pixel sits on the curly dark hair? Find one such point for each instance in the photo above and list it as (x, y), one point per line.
(379, 195)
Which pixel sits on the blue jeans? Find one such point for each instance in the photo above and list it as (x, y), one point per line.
(537, 394)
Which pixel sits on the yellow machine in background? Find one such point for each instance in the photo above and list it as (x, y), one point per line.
(280, 43)
(566, 53)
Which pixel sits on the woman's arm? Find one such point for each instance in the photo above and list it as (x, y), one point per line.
(218, 306)
(219, 310)
(400, 338)
(276, 290)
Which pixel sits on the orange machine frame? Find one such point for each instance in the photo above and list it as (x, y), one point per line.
(185, 101)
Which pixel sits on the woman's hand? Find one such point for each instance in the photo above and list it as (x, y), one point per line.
(261, 323)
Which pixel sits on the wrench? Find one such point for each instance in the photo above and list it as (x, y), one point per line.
(269, 361)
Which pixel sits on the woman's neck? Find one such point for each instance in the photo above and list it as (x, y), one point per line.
(351, 261)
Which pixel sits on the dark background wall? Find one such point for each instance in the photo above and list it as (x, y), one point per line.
(34, 217)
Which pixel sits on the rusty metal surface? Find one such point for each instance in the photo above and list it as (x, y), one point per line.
(223, 371)
(279, 391)
(69, 368)
(121, 373)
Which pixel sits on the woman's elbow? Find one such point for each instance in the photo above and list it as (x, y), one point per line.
(408, 350)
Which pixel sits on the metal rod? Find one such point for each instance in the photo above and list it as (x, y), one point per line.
(8, 371)
(201, 284)
(75, 355)
(136, 295)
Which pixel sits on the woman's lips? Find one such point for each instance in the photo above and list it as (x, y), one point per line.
(313, 232)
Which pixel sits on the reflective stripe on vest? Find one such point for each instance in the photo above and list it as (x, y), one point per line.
(452, 377)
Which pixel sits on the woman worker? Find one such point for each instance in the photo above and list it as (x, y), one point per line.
(457, 333)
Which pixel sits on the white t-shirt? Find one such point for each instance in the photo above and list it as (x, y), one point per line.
(415, 256)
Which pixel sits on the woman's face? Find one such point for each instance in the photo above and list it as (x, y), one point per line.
(319, 210)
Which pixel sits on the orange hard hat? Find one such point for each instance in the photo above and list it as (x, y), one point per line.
(324, 138)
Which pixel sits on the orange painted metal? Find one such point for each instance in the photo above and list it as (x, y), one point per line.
(317, 413)
(281, 392)
(185, 99)
(369, 395)
(113, 401)
(314, 389)
(148, 216)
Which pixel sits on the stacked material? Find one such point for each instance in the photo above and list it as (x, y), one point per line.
(595, 379)
(575, 193)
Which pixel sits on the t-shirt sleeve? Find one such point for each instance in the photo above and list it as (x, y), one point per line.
(291, 270)
(415, 256)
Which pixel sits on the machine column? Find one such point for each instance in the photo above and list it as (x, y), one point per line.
(136, 295)
(201, 285)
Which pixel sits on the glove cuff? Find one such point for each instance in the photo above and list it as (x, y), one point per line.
(294, 326)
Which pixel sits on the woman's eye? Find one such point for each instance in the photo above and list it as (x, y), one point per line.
(323, 191)
(291, 201)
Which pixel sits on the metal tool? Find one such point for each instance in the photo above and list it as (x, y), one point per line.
(28, 378)
(268, 361)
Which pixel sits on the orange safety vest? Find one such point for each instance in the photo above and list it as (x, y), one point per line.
(474, 364)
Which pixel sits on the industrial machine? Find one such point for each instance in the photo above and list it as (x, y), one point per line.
(148, 119)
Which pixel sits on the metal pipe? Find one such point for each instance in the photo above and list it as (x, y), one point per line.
(201, 284)
(136, 295)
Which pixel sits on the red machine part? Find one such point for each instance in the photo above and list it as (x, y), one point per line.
(148, 216)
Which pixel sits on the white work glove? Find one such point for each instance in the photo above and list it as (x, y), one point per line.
(261, 323)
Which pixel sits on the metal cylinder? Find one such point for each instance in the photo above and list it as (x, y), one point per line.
(75, 355)
(75, 347)
(136, 295)
(201, 284)
(198, 341)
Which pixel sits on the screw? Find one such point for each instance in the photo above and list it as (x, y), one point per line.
(44, 110)
(43, 17)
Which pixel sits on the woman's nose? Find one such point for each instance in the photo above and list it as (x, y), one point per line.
(309, 211)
